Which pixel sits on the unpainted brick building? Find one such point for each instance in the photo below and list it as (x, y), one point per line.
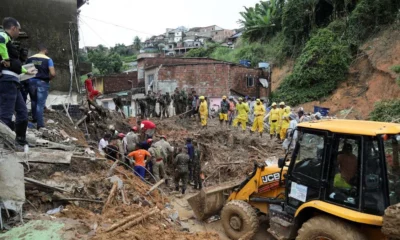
(209, 77)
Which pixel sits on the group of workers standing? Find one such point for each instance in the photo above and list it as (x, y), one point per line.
(13, 92)
(156, 160)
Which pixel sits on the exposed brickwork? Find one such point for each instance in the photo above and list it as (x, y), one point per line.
(214, 79)
(120, 82)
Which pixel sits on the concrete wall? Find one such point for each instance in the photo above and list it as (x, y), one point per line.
(47, 21)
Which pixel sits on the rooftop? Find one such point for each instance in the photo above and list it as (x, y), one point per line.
(358, 127)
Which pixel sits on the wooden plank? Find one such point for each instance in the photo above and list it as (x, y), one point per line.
(61, 157)
(42, 184)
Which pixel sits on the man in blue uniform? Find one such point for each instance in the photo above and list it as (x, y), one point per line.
(46, 72)
(11, 100)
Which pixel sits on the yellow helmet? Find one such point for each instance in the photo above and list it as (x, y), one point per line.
(224, 97)
(258, 100)
(282, 104)
(287, 109)
(273, 104)
(201, 98)
(240, 99)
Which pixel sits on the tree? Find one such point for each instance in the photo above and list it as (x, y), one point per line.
(262, 21)
(107, 63)
(137, 43)
(120, 49)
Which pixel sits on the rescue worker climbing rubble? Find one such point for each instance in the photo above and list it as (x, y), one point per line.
(203, 109)
(181, 165)
(223, 115)
(259, 112)
(273, 121)
(242, 110)
(157, 158)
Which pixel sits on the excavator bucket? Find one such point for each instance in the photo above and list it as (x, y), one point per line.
(209, 201)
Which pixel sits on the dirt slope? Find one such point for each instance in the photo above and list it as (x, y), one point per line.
(369, 80)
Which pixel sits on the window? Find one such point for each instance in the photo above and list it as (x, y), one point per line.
(250, 81)
(373, 188)
(393, 167)
(305, 173)
(150, 79)
(105, 105)
(344, 171)
(309, 156)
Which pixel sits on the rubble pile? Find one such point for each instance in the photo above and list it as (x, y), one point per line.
(226, 154)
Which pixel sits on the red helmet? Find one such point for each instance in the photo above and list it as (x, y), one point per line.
(134, 129)
(163, 136)
(149, 140)
(121, 135)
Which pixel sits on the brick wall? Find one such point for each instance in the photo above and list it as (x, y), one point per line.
(156, 61)
(213, 80)
(119, 82)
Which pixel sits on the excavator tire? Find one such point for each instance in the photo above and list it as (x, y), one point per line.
(328, 227)
(239, 219)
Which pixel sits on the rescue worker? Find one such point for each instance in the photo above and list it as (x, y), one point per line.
(11, 100)
(119, 106)
(103, 143)
(139, 156)
(196, 169)
(231, 112)
(259, 112)
(190, 148)
(121, 147)
(157, 159)
(242, 110)
(223, 115)
(285, 122)
(147, 128)
(348, 165)
(195, 104)
(90, 91)
(281, 111)
(182, 101)
(273, 121)
(181, 164)
(165, 146)
(203, 109)
(151, 104)
(41, 82)
(175, 97)
(132, 139)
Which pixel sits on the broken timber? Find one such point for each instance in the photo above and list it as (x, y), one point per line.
(156, 186)
(42, 184)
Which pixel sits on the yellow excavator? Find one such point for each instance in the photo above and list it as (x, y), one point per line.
(336, 184)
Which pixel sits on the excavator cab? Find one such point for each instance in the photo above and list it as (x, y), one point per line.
(341, 177)
(336, 184)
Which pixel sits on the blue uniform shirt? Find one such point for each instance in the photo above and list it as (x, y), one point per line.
(42, 64)
(190, 150)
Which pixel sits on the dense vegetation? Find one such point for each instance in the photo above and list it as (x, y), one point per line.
(321, 36)
(113, 60)
(386, 111)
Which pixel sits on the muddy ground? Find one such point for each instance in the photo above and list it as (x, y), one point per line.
(91, 209)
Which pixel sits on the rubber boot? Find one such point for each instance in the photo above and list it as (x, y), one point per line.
(177, 189)
(271, 136)
(183, 191)
(20, 132)
(260, 134)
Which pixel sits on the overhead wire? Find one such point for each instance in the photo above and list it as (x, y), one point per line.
(84, 22)
(116, 25)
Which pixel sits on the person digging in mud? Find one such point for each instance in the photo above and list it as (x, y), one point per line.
(181, 165)
(121, 147)
(165, 146)
(119, 107)
(132, 139)
(147, 128)
(112, 151)
(139, 156)
(157, 158)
